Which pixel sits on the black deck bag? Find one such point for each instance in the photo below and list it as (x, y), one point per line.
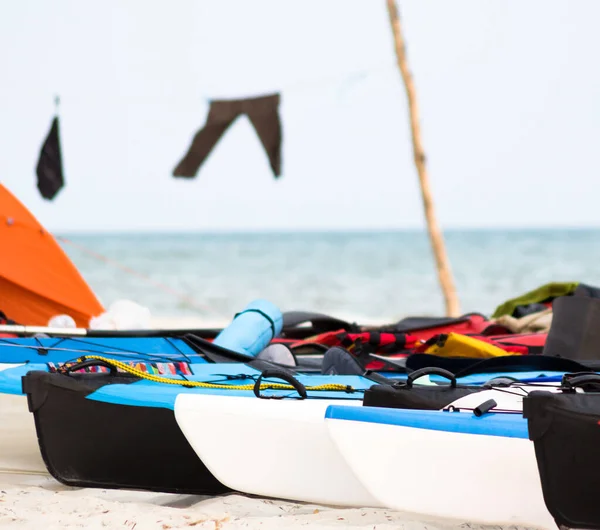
(407, 395)
(575, 330)
(565, 430)
(89, 443)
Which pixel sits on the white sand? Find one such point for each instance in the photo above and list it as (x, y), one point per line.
(19, 449)
(28, 502)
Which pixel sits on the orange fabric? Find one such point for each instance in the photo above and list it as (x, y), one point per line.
(37, 279)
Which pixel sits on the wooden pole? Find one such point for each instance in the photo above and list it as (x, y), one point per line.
(435, 234)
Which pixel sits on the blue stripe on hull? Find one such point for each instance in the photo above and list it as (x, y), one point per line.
(507, 425)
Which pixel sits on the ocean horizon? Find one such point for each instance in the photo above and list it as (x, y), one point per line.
(361, 275)
(333, 230)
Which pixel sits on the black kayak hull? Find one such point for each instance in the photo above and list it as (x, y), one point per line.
(89, 443)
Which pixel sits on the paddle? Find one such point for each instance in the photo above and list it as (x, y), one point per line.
(83, 332)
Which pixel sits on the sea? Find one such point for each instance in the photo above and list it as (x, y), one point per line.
(361, 276)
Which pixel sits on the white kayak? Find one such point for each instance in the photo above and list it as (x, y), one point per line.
(271, 447)
(450, 465)
(506, 398)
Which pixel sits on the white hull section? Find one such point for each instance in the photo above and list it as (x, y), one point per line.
(465, 477)
(269, 447)
(507, 399)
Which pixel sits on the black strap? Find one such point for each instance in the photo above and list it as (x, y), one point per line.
(485, 407)
(574, 380)
(86, 364)
(378, 378)
(374, 338)
(430, 370)
(400, 341)
(288, 378)
(214, 352)
(345, 340)
(501, 381)
(260, 312)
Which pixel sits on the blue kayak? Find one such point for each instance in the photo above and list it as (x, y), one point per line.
(156, 354)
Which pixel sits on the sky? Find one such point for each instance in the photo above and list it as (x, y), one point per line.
(508, 97)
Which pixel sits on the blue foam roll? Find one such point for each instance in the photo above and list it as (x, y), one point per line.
(252, 328)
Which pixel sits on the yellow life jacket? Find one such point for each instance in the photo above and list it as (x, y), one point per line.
(457, 345)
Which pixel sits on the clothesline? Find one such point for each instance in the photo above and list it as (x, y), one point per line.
(182, 297)
(344, 80)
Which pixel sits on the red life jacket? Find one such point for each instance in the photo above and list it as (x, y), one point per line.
(357, 343)
(396, 340)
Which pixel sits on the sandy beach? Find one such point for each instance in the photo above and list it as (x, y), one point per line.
(34, 502)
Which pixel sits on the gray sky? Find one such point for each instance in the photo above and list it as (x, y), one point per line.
(508, 93)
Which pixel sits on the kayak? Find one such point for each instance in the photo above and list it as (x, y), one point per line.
(291, 435)
(143, 429)
(19, 450)
(167, 356)
(439, 464)
(139, 407)
(91, 455)
(287, 453)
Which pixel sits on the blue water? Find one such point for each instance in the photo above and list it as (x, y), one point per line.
(369, 275)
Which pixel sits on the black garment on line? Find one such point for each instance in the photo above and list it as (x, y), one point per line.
(263, 113)
(49, 169)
